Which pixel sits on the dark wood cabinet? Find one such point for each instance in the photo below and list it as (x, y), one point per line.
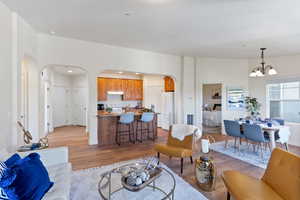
(169, 84)
(132, 88)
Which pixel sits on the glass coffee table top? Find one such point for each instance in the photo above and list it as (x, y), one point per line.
(111, 188)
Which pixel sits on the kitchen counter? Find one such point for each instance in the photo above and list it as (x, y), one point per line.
(107, 126)
(107, 114)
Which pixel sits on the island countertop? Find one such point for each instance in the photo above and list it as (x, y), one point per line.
(112, 114)
(108, 122)
(101, 113)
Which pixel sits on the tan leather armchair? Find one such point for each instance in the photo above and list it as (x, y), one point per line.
(176, 148)
(281, 180)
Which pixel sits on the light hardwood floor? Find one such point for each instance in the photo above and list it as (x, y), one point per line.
(83, 156)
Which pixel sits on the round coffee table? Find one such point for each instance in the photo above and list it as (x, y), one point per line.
(110, 186)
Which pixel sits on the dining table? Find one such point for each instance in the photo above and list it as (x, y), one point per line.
(269, 130)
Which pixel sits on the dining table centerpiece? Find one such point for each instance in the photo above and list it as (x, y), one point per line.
(252, 107)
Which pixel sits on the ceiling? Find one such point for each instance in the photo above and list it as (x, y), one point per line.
(215, 28)
(68, 70)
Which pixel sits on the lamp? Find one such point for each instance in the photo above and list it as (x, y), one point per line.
(261, 70)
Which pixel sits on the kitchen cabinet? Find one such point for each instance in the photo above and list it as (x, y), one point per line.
(102, 92)
(132, 88)
(139, 89)
(169, 84)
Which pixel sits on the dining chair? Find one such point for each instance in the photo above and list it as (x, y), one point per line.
(282, 135)
(233, 129)
(254, 133)
(279, 121)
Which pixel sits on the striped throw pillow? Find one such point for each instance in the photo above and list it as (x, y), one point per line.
(3, 168)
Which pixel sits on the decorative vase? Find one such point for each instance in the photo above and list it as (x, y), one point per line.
(205, 173)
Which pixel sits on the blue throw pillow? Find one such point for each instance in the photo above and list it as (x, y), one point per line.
(12, 160)
(32, 180)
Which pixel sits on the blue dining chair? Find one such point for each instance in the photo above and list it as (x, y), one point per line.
(126, 119)
(254, 133)
(276, 122)
(147, 118)
(279, 121)
(233, 129)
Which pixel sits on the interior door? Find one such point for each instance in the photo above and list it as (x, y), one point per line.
(60, 106)
(24, 95)
(79, 107)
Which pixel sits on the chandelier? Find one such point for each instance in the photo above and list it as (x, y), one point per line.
(261, 70)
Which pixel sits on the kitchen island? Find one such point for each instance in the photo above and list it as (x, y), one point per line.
(107, 126)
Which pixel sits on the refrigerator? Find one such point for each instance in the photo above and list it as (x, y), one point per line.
(167, 110)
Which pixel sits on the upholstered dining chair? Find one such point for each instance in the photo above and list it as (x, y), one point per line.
(280, 181)
(254, 133)
(233, 129)
(280, 137)
(176, 148)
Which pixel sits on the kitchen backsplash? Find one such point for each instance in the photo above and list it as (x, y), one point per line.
(117, 102)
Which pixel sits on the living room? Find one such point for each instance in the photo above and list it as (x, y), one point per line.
(194, 42)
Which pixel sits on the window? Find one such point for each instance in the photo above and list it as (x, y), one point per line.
(284, 101)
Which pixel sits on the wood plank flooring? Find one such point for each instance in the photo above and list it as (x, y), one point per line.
(83, 156)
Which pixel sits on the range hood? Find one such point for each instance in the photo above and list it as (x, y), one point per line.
(115, 92)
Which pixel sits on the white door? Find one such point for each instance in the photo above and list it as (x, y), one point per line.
(60, 99)
(79, 107)
(24, 96)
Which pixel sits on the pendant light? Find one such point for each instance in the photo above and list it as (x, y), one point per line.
(263, 69)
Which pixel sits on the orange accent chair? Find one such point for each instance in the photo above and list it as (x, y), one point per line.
(281, 180)
(176, 148)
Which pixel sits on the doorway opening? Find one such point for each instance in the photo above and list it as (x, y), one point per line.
(212, 108)
(124, 90)
(65, 90)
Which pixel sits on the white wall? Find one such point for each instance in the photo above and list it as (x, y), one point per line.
(96, 57)
(153, 83)
(228, 72)
(287, 67)
(189, 87)
(5, 76)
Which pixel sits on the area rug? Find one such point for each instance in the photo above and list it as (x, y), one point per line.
(85, 186)
(246, 154)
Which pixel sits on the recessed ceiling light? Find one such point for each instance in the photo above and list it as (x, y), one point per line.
(70, 71)
(52, 32)
(137, 73)
(120, 72)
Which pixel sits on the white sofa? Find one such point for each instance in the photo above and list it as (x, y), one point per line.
(57, 163)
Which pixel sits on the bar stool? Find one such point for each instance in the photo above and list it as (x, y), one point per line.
(147, 118)
(126, 119)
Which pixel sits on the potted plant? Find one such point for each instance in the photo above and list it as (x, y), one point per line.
(109, 109)
(253, 107)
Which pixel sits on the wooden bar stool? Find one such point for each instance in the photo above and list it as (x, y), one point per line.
(126, 119)
(148, 119)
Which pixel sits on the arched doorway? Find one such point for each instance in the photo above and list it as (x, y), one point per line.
(65, 100)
